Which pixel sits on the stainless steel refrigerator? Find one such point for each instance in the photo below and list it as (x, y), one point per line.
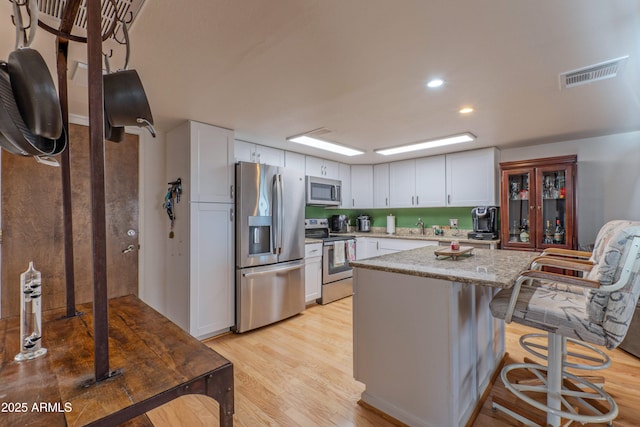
(269, 244)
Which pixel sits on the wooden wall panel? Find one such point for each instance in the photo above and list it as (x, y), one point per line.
(32, 222)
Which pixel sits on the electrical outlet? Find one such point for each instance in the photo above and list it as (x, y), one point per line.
(453, 222)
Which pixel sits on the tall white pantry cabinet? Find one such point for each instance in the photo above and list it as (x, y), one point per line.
(200, 257)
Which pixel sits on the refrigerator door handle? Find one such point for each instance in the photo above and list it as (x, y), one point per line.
(275, 270)
(275, 232)
(280, 213)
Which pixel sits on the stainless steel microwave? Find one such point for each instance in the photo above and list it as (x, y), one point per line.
(323, 191)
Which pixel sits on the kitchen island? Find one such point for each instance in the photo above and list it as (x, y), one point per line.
(425, 343)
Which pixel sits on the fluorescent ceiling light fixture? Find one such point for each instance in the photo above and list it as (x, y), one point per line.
(325, 145)
(448, 140)
(466, 110)
(435, 83)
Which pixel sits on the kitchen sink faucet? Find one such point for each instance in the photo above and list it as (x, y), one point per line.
(421, 224)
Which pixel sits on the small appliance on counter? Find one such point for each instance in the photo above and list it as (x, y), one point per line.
(485, 223)
(364, 223)
(339, 224)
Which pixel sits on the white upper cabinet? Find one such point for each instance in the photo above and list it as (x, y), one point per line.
(362, 186)
(243, 151)
(402, 179)
(294, 161)
(345, 177)
(254, 153)
(381, 185)
(430, 181)
(320, 167)
(472, 178)
(204, 155)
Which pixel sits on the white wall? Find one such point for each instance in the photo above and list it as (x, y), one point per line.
(154, 222)
(608, 185)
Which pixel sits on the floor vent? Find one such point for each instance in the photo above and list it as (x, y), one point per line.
(592, 73)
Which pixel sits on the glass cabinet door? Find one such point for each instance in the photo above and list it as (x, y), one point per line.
(553, 217)
(519, 203)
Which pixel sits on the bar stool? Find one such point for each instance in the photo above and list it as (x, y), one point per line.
(591, 310)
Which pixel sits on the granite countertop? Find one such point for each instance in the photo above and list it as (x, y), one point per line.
(496, 268)
(462, 237)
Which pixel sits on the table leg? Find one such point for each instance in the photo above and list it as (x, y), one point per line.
(220, 387)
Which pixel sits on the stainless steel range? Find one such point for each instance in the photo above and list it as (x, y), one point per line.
(338, 250)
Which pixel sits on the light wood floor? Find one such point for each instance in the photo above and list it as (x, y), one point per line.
(299, 372)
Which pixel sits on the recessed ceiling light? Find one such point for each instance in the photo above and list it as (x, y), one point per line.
(435, 83)
(447, 140)
(466, 110)
(325, 145)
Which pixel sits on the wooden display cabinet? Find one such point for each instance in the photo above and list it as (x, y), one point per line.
(537, 203)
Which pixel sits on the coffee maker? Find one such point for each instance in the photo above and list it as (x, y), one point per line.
(339, 223)
(485, 223)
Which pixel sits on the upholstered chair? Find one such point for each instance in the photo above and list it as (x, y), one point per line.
(592, 310)
(580, 261)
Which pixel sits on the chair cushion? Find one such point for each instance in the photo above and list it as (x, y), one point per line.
(552, 310)
(609, 266)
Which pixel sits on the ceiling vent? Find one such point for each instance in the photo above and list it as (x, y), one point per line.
(112, 10)
(592, 73)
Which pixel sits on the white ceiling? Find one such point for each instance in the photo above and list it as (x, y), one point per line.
(276, 68)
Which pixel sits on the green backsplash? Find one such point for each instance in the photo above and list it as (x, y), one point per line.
(404, 217)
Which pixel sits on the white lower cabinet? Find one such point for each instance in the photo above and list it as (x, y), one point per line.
(200, 269)
(312, 271)
(367, 247)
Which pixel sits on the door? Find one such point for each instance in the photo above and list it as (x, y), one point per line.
(381, 185)
(33, 229)
(402, 178)
(212, 274)
(362, 186)
(292, 241)
(269, 293)
(553, 194)
(518, 203)
(431, 182)
(255, 233)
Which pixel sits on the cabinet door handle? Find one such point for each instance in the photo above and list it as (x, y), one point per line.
(258, 158)
(448, 198)
(386, 201)
(231, 194)
(231, 214)
(353, 202)
(417, 200)
(412, 199)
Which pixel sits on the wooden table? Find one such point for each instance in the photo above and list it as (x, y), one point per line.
(156, 360)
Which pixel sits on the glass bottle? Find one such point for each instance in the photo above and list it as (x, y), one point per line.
(558, 235)
(524, 233)
(31, 315)
(548, 233)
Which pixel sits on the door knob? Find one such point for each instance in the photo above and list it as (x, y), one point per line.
(129, 248)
